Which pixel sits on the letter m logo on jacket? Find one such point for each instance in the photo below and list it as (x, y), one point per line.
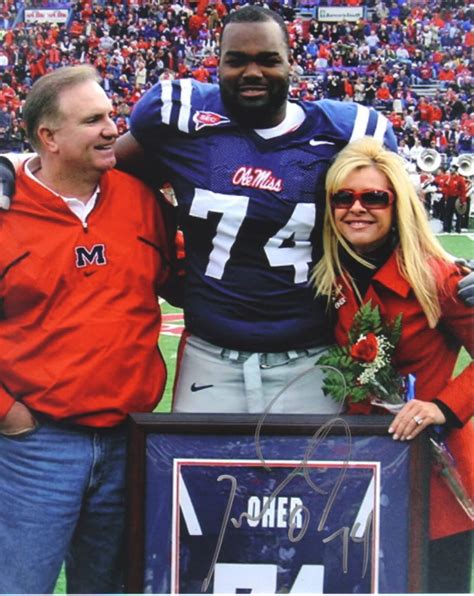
(90, 256)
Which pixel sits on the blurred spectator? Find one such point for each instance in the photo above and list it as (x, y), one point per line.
(384, 97)
(455, 196)
(5, 124)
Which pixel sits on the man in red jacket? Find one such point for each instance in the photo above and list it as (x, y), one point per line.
(455, 199)
(84, 254)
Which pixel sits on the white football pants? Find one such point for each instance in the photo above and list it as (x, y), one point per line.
(211, 379)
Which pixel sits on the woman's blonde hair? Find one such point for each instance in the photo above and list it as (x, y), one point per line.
(417, 244)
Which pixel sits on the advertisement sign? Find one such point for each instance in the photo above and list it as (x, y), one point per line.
(336, 14)
(302, 505)
(46, 15)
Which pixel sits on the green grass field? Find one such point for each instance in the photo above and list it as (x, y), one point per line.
(457, 245)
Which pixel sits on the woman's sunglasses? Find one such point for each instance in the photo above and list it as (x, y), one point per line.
(369, 199)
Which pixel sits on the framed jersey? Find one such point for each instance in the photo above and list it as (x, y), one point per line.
(294, 504)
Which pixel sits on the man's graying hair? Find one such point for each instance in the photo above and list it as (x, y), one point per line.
(256, 14)
(42, 103)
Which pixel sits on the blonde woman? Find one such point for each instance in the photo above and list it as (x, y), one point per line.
(378, 246)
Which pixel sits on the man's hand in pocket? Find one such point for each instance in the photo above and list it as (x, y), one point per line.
(18, 420)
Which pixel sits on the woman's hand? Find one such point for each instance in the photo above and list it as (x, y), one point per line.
(414, 417)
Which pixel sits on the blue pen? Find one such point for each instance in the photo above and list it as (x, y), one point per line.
(410, 387)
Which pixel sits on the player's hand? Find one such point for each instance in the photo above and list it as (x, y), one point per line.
(413, 418)
(466, 285)
(19, 420)
(7, 182)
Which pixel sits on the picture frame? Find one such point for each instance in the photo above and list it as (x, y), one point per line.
(309, 504)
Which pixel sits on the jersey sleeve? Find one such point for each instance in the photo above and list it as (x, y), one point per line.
(173, 106)
(350, 121)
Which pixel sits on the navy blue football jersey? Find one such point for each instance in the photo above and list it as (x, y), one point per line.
(274, 528)
(251, 210)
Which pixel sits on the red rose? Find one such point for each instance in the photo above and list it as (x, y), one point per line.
(365, 350)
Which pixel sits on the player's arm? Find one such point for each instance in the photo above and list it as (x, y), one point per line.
(466, 285)
(15, 160)
(7, 182)
(9, 164)
(130, 155)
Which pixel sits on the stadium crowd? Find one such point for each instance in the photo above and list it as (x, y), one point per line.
(379, 61)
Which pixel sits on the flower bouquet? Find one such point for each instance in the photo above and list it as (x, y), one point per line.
(365, 363)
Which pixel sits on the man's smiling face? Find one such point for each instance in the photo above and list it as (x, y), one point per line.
(254, 73)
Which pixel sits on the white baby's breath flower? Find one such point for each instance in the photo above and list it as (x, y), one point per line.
(381, 360)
